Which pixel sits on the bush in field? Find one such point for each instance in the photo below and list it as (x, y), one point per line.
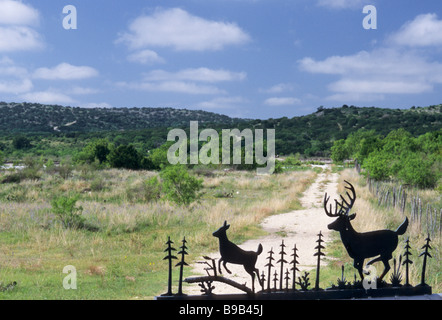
(125, 156)
(158, 156)
(94, 150)
(21, 142)
(179, 186)
(414, 161)
(152, 189)
(65, 169)
(358, 145)
(68, 213)
(339, 151)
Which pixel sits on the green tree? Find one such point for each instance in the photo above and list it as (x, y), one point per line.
(158, 156)
(21, 142)
(125, 156)
(179, 186)
(416, 169)
(96, 149)
(339, 151)
(101, 150)
(361, 143)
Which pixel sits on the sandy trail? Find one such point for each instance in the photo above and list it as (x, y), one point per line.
(300, 227)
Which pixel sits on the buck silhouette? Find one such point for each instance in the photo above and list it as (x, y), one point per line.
(231, 253)
(379, 244)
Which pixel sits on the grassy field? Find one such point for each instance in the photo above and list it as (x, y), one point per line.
(122, 257)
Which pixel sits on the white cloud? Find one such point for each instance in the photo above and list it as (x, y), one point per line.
(278, 88)
(355, 97)
(177, 29)
(223, 103)
(15, 86)
(19, 38)
(281, 101)
(17, 13)
(13, 79)
(424, 30)
(83, 91)
(380, 86)
(47, 97)
(92, 105)
(65, 71)
(172, 86)
(188, 81)
(198, 74)
(145, 57)
(16, 34)
(343, 4)
(381, 71)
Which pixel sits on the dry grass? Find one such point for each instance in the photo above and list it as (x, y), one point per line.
(130, 242)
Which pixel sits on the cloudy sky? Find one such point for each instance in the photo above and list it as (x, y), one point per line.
(244, 58)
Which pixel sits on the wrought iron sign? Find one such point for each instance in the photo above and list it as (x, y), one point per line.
(282, 280)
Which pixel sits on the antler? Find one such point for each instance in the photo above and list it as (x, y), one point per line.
(344, 205)
(352, 199)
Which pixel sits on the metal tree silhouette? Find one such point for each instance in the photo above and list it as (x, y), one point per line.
(319, 254)
(269, 265)
(281, 261)
(287, 278)
(294, 262)
(169, 257)
(407, 261)
(182, 263)
(426, 254)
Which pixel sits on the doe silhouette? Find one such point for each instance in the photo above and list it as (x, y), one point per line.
(231, 253)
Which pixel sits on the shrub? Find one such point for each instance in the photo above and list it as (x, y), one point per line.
(20, 142)
(68, 213)
(65, 169)
(24, 174)
(179, 186)
(125, 156)
(152, 189)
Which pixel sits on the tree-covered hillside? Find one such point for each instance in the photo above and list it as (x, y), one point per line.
(314, 134)
(33, 117)
(56, 131)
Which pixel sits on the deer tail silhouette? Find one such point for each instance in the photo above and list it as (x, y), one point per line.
(402, 228)
(259, 250)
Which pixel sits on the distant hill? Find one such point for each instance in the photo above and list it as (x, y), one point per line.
(310, 135)
(33, 117)
(313, 134)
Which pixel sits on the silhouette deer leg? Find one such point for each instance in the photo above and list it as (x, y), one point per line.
(386, 265)
(225, 267)
(251, 271)
(374, 260)
(358, 265)
(219, 265)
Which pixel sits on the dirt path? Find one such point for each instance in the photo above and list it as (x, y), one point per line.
(300, 227)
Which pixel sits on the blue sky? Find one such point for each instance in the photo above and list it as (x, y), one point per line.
(244, 58)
